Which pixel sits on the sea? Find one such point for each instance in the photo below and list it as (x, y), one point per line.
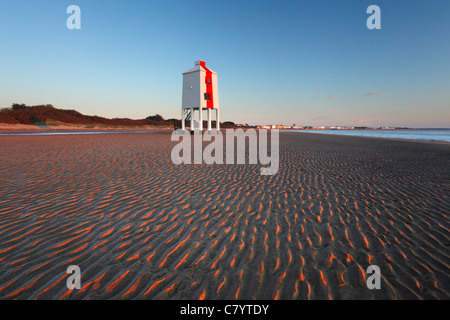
(414, 134)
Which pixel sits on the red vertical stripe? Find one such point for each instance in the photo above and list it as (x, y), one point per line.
(209, 90)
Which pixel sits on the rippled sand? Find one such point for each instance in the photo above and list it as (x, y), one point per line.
(140, 227)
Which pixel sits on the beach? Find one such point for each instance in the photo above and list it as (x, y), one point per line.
(140, 227)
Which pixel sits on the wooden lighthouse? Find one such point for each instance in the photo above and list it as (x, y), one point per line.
(200, 93)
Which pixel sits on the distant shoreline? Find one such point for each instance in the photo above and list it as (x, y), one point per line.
(5, 127)
(33, 130)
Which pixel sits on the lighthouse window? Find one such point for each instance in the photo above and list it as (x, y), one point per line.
(207, 96)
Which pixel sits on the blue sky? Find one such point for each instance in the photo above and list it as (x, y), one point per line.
(281, 62)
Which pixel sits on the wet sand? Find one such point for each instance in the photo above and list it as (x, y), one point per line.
(140, 227)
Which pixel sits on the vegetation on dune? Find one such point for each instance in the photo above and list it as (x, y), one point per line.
(20, 113)
(23, 114)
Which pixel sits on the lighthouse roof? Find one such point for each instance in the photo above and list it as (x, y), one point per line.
(199, 65)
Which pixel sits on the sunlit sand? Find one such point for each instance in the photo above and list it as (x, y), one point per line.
(140, 227)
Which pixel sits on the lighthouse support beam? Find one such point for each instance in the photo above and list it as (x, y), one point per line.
(209, 119)
(183, 125)
(217, 120)
(192, 119)
(200, 119)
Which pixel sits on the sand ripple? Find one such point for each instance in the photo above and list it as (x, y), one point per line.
(140, 227)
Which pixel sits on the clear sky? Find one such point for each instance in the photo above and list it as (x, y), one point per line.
(279, 62)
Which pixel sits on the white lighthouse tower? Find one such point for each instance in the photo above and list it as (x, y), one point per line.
(200, 93)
